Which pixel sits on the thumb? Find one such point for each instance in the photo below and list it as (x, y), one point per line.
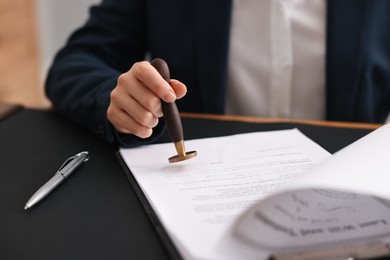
(179, 88)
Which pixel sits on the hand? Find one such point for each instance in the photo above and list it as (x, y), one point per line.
(135, 104)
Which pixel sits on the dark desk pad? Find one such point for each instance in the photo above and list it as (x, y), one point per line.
(95, 214)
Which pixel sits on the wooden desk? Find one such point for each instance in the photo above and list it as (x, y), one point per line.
(250, 119)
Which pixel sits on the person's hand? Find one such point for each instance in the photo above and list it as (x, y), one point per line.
(135, 102)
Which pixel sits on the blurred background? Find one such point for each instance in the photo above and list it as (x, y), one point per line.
(31, 32)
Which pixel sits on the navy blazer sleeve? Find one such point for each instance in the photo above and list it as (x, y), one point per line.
(85, 71)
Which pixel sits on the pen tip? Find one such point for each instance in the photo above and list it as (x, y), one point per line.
(25, 208)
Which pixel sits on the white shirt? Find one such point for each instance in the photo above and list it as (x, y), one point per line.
(277, 59)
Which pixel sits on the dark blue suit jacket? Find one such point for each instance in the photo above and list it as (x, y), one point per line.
(193, 37)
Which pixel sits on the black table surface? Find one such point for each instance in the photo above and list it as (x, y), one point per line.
(95, 214)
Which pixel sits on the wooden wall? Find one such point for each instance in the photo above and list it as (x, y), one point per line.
(19, 60)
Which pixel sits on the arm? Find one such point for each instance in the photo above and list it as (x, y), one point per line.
(86, 70)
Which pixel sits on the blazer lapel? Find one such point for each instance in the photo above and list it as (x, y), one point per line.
(213, 27)
(345, 44)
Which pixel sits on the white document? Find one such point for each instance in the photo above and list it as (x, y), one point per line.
(201, 202)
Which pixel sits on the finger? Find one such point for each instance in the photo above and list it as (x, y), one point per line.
(124, 123)
(134, 109)
(148, 75)
(143, 116)
(148, 99)
(130, 87)
(179, 88)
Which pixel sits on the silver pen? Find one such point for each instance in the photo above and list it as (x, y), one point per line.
(66, 169)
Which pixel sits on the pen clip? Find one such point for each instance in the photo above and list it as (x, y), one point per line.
(63, 168)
